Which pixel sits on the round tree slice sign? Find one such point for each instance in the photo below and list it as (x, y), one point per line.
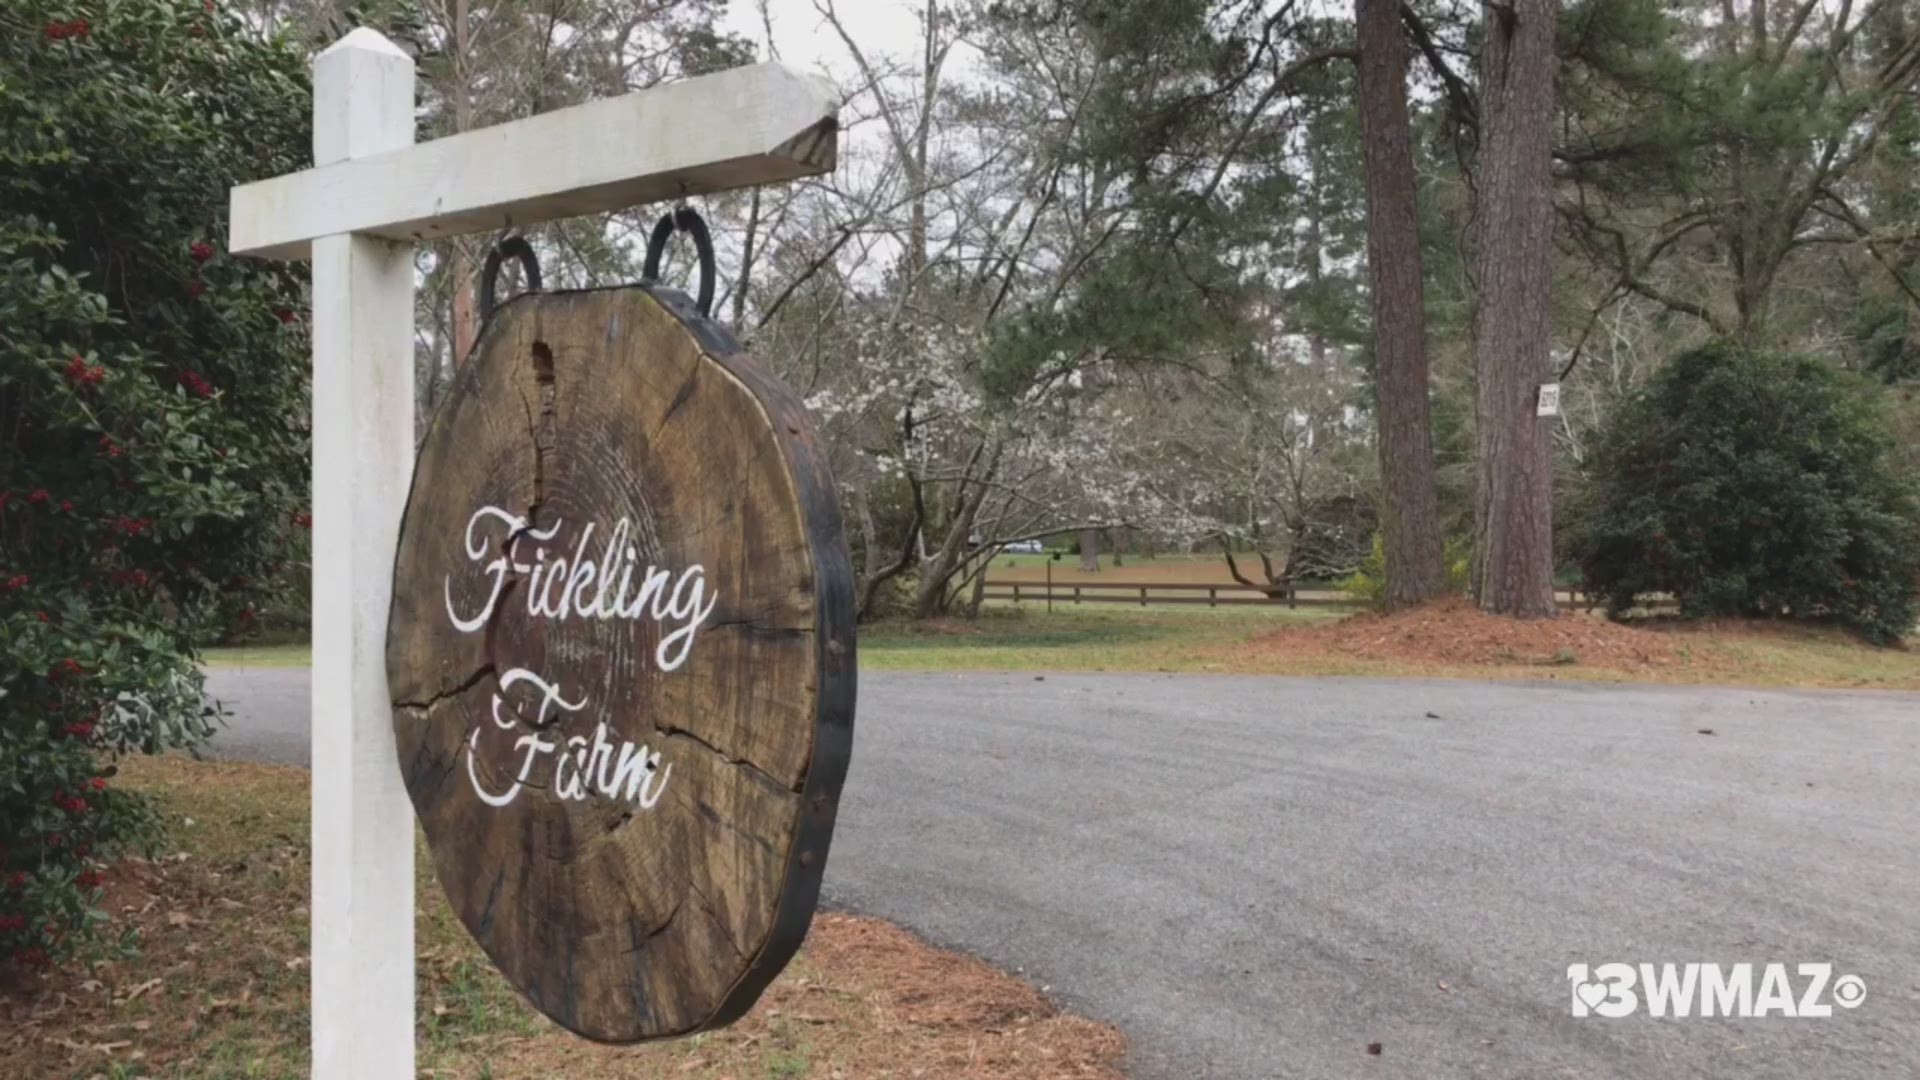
(621, 654)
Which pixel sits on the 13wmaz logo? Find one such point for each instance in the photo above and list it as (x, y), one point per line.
(1708, 990)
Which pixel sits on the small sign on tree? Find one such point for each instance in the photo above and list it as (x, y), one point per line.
(1549, 403)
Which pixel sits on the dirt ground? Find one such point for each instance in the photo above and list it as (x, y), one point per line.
(1453, 638)
(218, 988)
(1455, 632)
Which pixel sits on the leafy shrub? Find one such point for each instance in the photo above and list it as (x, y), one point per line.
(153, 401)
(1368, 584)
(1746, 482)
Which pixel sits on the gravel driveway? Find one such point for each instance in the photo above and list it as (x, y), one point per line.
(1259, 877)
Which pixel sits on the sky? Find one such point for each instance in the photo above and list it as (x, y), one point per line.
(802, 37)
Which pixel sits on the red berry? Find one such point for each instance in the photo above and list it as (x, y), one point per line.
(39, 496)
(201, 251)
(98, 783)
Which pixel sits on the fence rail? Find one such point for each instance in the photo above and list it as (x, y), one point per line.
(1222, 594)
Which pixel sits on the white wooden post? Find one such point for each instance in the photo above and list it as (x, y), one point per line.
(363, 953)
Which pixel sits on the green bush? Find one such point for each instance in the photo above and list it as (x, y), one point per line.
(153, 404)
(1751, 483)
(1368, 584)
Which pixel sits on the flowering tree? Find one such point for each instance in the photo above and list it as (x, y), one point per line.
(991, 309)
(930, 302)
(1267, 460)
(153, 404)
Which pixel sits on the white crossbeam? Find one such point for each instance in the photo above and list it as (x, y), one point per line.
(737, 128)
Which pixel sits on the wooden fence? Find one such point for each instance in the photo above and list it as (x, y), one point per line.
(1212, 594)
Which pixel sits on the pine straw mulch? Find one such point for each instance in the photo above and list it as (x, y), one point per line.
(219, 986)
(1454, 633)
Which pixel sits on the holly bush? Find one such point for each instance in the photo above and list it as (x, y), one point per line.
(1750, 483)
(153, 410)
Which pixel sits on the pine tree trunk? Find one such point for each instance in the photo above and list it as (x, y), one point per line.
(1513, 508)
(461, 276)
(1409, 517)
(462, 269)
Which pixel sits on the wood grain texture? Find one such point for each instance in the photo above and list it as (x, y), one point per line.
(622, 922)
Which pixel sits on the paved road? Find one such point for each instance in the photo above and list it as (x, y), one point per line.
(1257, 877)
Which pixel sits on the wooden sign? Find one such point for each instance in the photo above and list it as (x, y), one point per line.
(621, 656)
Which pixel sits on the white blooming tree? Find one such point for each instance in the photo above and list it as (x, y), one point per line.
(887, 295)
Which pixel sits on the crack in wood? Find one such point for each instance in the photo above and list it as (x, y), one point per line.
(643, 939)
(707, 908)
(680, 397)
(712, 817)
(429, 769)
(493, 895)
(469, 683)
(766, 778)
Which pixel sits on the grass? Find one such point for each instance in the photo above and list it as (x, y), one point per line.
(1105, 638)
(218, 989)
(1118, 637)
(1788, 655)
(297, 654)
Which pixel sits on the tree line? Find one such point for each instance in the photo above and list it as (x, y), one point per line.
(1261, 277)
